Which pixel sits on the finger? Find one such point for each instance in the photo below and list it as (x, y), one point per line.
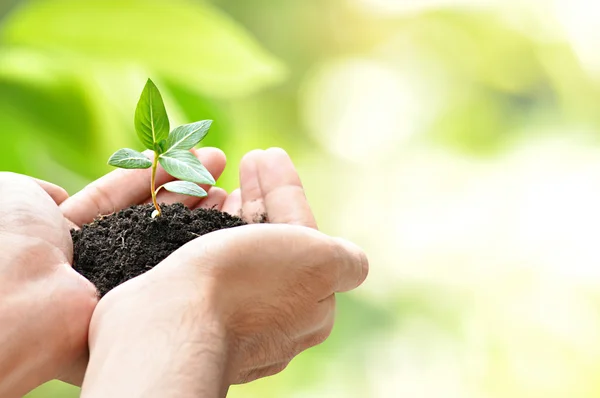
(215, 199)
(214, 161)
(122, 188)
(271, 183)
(351, 264)
(71, 225)
(282, 189)
(253, 206)
(329, 265)
(27, 209)
(58, 194)
(233, 203)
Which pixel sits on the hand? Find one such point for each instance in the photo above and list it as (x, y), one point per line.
(32, 231)
(46, 306)
(231, 306)
(269, 185)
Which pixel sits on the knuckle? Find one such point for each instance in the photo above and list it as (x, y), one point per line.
(59, 194)
(316, 339)
(250, 375)
(275, 369)
(322, 336)
(100, 198)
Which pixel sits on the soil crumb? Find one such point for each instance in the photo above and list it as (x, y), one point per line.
(117, 247)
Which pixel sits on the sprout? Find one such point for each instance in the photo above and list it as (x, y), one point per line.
(171, 150)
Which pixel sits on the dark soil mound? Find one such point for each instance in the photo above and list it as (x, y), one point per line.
(115, 248)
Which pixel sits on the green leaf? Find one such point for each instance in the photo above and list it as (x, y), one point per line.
(129, 159)
(190, 42)
(151, 120)
(185, 188)
(185, 166)
(188, 136)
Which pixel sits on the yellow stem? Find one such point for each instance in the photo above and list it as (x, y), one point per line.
(153, 183)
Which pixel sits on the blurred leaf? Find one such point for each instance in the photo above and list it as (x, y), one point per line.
(151, 120)
(188, 136)
(185, 188)
(129, 159)
(46, 131)
(185, 166)
(194, 44)
(54, 389)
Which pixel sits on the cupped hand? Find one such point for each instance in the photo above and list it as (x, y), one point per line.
(46, 306)
(269, 185)
(249, 298)
(270, 287)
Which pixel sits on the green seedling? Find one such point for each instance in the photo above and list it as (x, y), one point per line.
(171, 149)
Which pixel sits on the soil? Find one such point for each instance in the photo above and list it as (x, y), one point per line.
(115, 248)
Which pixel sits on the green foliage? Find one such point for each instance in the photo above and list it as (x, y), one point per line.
(151, 120)
(171, 150)
(129, 159)
(188, 135)
(68, 70)
(185, 188)
(189, 42)
(185, 166)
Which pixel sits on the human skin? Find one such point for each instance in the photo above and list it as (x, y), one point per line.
(45, 306)
(261, 185)
(229, 307)
(45, 303)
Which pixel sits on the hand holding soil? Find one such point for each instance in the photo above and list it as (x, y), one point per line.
(45, 306)
(234, 305)
(199, 289)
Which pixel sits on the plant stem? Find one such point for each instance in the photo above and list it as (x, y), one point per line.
(153, 183)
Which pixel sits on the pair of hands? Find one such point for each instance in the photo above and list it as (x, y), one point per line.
(228, 307)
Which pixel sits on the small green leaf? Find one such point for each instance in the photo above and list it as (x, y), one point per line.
(185, 188)
(185, 166)
(188, 135)
(129, 159)
(151, 120)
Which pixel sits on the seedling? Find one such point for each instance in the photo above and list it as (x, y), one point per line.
(171, 150)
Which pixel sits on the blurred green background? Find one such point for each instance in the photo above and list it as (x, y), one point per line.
(456, 141)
